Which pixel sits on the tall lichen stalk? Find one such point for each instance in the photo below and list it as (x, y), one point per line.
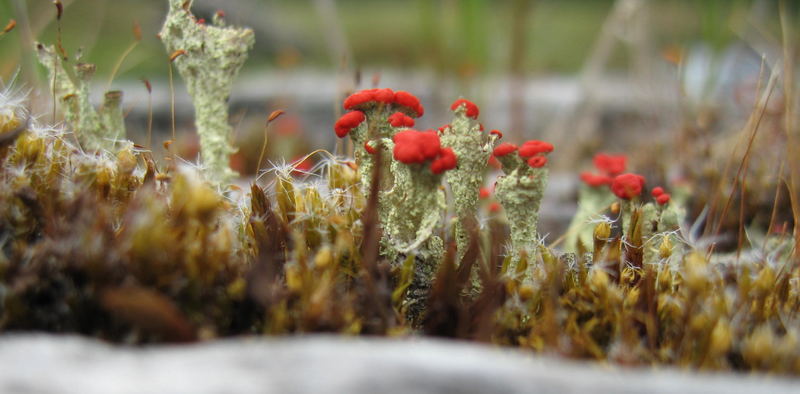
(211, 59)
(473, 149)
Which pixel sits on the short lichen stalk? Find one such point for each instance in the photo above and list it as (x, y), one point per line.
(473, 149)
(95, 129)
(520, 192)
(211, 59)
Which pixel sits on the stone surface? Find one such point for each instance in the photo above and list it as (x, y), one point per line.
(325, 364)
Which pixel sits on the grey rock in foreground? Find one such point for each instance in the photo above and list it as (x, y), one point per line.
(326, 364)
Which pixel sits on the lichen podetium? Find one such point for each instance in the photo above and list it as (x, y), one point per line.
(96, 130)
(212, 59)
(473, 149)
(521, 191)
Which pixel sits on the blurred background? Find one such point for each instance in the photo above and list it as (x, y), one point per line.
(642, 77)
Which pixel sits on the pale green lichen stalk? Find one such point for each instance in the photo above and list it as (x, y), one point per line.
(520, 193)
(473, 149)
(415, 205)
(375, 128)
(99, 129)
(212, 57)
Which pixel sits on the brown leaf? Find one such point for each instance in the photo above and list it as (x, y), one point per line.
(150, 311)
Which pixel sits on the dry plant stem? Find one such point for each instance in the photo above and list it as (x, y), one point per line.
(119, 62)
(263, 147)
(717, 193)
(775, 200)
(171, 101)
(212, 58)
(149, 118)
(790, 92)
(753, 124)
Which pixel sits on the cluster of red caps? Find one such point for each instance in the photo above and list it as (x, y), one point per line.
(532, 151)
(418, 147)
(627, 186)
(407, 105)
(471, 110)
(368, 98)
(609, 167)
(399, 119)
(624, 186)
(660, 195)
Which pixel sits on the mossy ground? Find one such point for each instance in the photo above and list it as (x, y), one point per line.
(126, 249)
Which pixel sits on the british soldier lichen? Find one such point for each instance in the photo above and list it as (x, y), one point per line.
(473, 149)
(375, 116)
(520, 191)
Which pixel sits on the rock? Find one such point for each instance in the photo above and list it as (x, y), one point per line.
(329, 364)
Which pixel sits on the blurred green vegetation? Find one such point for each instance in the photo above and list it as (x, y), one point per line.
(465, 36)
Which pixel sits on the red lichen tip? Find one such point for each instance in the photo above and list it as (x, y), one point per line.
(408, 100)
(385, 96)
(657, 191)
(399, 119)
(471, 109)
(370, 148)
(411, 146)
(595, 180)
(612, 165)
(663, 198)
(358, 99)
(495, 207)
(504, 149)
(446, 160)
(627, 186)
(347, 122)
(367, 97)
(537, 161)
(484, 193)
(534, 147)
(498, 133)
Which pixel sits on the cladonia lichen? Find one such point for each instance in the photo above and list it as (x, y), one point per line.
(211, 58)
(473, 149)
(99, 129)
(520, 191)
